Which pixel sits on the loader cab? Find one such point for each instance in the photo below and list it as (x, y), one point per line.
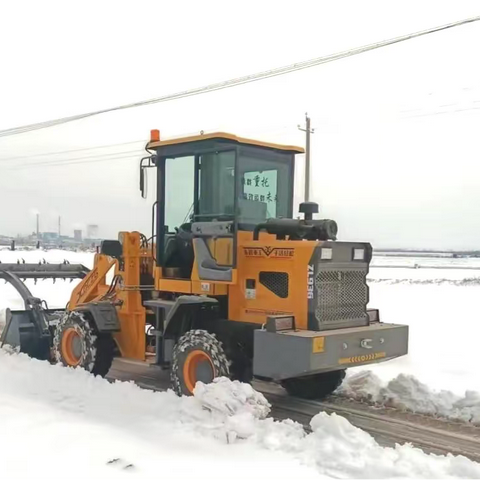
(209, 188)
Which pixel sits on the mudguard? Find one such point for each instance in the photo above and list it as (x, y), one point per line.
(103, 314)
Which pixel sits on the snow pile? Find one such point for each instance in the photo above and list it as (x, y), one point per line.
(64, 417)
(340, 450)
(405, 392)
(232, 398)
(80, 426)
(235, 406)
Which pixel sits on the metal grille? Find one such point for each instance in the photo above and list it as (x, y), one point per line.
(276, 282)
(341, 295)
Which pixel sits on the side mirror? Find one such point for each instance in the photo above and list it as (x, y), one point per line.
(150, 163)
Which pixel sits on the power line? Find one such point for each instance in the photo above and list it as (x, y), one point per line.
(269, 128)
(66, 163)
(238, 80)
(28, 157)
(93, 158)
(441, 112)
(97, 158)
(48, 162)
(73, 160)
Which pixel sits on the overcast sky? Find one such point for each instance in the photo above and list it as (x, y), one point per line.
(396, 146)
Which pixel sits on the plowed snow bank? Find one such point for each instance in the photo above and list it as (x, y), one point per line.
(405, 392)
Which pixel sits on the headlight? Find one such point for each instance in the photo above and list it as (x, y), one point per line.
(359, 254)
(326, 253)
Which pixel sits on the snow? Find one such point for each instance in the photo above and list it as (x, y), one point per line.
(243, 399)
(66, 423)
(405, 392)
(443, 320)
(60, 422)
(440, 374)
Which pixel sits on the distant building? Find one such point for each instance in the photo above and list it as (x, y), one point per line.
(49, 236)
(77, 235)
(92, 231)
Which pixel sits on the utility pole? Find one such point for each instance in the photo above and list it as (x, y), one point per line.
(307, 131)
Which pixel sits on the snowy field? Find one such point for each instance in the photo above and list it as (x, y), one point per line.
(111, 431)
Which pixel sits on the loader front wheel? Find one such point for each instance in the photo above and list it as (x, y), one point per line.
(197, 356)
(314, 387)
(76, 344)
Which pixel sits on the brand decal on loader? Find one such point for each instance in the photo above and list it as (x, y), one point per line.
(272, 252)
(310, 281)
(362, 358)
(88, 284)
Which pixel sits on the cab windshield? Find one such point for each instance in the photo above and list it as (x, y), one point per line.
(263, 182)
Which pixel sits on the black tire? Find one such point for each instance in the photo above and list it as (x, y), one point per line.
(77, 344)
(314, 387)
(197, 344)
(241, 368)
(55, 317)
(240, 363)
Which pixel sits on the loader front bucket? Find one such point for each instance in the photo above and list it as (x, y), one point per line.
(21, 331)
(30, 330)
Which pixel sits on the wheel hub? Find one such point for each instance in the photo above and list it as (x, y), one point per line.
(198, 367)
(72, 347)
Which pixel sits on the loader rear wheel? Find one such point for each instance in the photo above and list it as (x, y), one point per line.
(314, 387)
(77, 344)
(197, 356)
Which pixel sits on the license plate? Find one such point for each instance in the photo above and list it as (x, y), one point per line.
(369, 357)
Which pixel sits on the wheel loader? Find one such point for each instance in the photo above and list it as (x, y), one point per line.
(227, 283)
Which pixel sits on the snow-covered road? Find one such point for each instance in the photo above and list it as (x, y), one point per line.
(64, 423)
